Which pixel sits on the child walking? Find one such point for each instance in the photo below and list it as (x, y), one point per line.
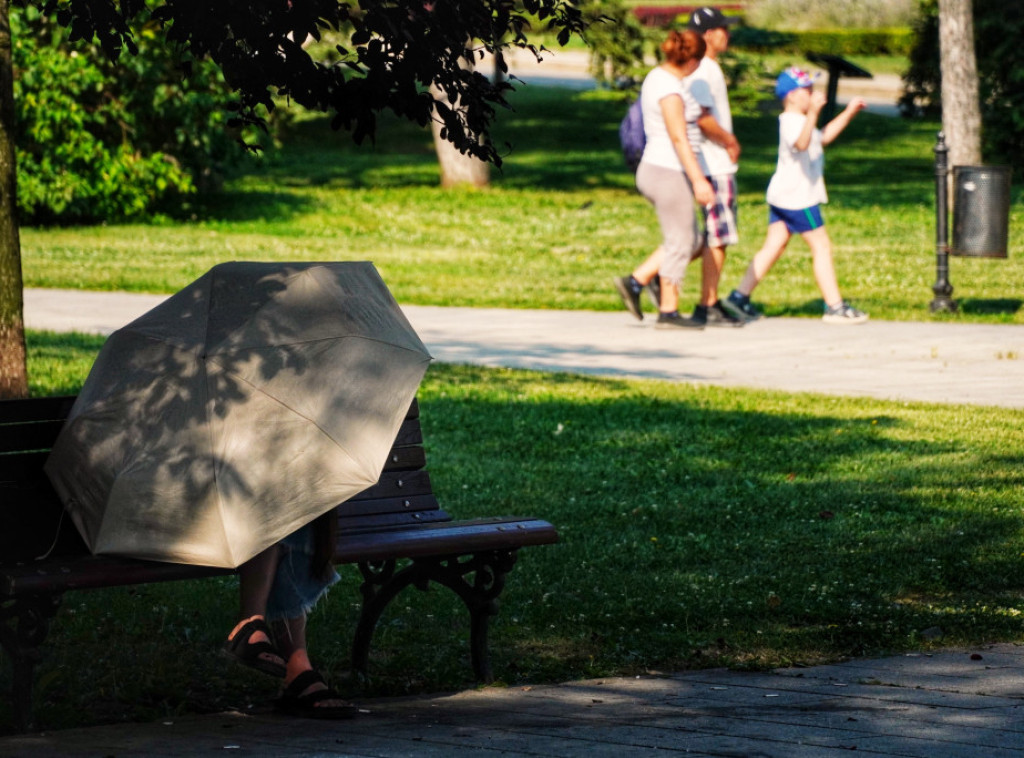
(795, 194)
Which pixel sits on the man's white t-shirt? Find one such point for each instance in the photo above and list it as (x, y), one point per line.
(707, 85)
(659, 150)
(798, 181)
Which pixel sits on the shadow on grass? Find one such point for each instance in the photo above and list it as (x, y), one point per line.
(699, 527)
(557, 139)
(991, 306)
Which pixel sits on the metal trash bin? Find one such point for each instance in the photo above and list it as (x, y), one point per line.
(981, 211)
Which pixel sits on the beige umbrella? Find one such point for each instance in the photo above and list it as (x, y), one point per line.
(241, 408)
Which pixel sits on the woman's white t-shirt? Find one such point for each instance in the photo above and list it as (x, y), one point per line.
(659, 150)
(798, 181)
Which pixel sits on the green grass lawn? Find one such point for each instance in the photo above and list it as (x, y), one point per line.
(559, 220)
(700, 527)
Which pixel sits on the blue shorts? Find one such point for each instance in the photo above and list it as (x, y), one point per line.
(797, 222)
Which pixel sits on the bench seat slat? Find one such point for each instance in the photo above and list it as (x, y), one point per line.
(352, 509)
(85, 572)
(397, 484)
(40, 409)
(16, 467)
(451, 538)
(38, 435)
(358, 524)
(447, 538)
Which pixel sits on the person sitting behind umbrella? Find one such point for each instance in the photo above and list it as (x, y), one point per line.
(277, 589)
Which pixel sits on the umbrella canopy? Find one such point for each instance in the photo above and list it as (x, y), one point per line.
(238, 410)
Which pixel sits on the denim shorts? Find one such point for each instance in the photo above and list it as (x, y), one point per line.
(296, 589)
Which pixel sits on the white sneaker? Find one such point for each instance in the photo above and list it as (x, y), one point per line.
(844, 313)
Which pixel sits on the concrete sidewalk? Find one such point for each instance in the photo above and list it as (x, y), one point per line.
(926, 361)
(948, 705)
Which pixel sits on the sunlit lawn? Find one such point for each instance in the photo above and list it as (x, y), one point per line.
(559, 220)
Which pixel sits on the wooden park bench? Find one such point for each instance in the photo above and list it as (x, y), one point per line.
(395, 532)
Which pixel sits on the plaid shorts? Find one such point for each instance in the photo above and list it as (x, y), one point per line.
(720, 219)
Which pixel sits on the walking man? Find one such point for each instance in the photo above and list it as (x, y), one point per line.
(720, 152)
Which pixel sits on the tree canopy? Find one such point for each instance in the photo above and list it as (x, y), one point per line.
(394, 50)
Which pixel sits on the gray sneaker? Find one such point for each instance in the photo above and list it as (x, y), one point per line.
(654, 291)
(716, 315)
(844, 313)
(629, 294)
(676, 321)
(739, 306)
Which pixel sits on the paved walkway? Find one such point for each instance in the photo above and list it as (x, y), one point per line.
(926, 361)
(948, 705)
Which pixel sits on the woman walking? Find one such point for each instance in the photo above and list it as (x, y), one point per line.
(671, 178)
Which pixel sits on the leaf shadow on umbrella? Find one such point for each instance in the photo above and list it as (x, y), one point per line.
(237, 410)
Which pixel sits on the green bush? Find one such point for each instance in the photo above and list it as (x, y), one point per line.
(1000, 60)
(897, 41)
(102, 141)
(72, 167)
(618, 42)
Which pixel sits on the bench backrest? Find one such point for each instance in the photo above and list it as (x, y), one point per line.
(30, 511)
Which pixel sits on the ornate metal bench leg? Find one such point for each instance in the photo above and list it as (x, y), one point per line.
(488, 583)
(24, 624)
(380, 586)
(381, 583)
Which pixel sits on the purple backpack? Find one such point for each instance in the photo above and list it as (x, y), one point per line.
(631, 135)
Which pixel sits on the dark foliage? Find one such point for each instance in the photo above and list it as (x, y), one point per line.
(394, 50)
(1000, 75)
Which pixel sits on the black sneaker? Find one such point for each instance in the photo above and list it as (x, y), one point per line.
(629, 290)
(739, 306)
(715, 315)
(654, 291)
(674, 320)
(844, 313)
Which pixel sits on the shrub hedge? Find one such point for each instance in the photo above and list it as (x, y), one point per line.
(898, 41)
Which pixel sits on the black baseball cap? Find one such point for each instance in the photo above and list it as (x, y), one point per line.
(706, 18)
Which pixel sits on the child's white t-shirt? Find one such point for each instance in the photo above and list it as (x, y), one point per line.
(798, 181)
(659, 150)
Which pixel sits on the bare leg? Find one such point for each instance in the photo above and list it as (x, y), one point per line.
(824, 268)
(772, 249)
(669, 289)
(255, 579)
(291, 636)
(669, 296)
(649, 268)
(712, 263)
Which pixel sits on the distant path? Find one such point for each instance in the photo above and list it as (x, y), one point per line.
(928, 361)
(571, 69)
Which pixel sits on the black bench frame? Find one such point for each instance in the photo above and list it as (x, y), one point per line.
(395, 532)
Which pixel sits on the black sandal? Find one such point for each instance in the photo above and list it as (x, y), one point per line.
(250, 653)
(294, 703)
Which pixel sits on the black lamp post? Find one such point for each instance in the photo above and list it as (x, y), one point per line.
(943, 290)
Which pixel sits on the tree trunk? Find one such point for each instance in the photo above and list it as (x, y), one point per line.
(456, 168)
(13, 370)
(961, 107)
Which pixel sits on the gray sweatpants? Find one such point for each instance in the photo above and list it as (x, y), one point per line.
(671, 194)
